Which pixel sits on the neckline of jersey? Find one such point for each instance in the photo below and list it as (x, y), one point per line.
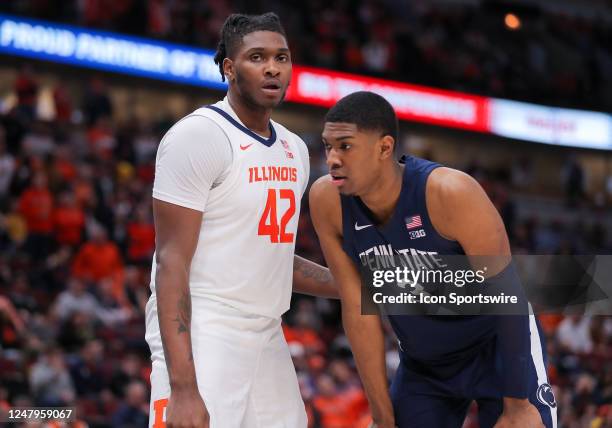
(265, 141)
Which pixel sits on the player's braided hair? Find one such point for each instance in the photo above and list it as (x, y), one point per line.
(236, 26)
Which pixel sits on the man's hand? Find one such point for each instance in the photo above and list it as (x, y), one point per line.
(519, 414)
(186, 409)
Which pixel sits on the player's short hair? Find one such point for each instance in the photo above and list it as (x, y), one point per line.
(367, 110)
(236, 26)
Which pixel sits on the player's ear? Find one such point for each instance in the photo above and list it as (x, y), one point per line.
(228, 69)
(387, 143)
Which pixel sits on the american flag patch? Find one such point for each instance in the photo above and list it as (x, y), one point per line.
(413, 222)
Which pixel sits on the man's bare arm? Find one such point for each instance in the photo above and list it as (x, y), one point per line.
(364, 332)
(176, 231)
(313, 279)
(462, 211)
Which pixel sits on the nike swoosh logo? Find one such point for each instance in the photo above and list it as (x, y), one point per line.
(357, 227)
(245, 147)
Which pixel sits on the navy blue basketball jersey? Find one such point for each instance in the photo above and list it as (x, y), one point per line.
(439, 341)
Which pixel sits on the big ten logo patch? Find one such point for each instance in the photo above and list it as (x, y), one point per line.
(416, 234)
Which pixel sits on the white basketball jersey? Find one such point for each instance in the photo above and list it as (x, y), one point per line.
(244, 256)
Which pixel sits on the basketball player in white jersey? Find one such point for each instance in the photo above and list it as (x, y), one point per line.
(226, 200)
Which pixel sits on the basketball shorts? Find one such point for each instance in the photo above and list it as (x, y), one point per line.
(244, 371)
(422, 400)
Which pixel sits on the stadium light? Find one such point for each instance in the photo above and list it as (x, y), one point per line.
(512, 22)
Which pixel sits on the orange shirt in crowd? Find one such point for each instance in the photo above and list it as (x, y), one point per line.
(334, 411)
(36, 206)
(96, 261)
(84, 193)
(68, 225)
(141, 240)
(357, 402)
(65, 169)
(305, 336)
(550, 322)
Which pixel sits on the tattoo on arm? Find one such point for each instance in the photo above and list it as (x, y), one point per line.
(312, 270)
(183, 317)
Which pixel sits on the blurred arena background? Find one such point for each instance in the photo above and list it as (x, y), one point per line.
(528, 115)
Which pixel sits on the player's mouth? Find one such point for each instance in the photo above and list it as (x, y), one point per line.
(337, 179)
(272, 87)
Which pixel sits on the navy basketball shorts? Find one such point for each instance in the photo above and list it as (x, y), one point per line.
(423, 400)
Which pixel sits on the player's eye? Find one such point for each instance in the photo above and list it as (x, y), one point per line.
(327, 147)
(345, 146)
(283, 58)
(256, 57)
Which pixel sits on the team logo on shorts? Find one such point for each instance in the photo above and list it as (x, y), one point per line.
(546, 396)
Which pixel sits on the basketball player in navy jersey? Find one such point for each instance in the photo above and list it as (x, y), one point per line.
(367, 200)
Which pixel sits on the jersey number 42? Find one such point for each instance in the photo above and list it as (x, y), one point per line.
(268, 223)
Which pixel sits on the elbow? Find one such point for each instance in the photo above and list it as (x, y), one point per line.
(166, 259)
(168, 265)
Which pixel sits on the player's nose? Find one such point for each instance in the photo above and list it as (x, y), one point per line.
(333, 159)
(271, 68)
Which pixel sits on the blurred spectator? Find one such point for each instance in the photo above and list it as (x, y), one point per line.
(83, 186)
(134, 412)
(136, 289)
(377, 55)
(573, 182)
(304, 331)
(63, 105)
(63, 169)
(99, 259)
(101, 139)
(574, 334)
(76, 330)
(128, 373)
(11, 325)
(349, 388)
(89, 369)
(36, 206)
(7, 168)
(39, 141)
(50, 380)
(21, 294)
(334, 409)
(68, 220)
(14, 225)
(522, 173)
(77, 300)
(26, 89)
(141, 236)
(96, 102)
